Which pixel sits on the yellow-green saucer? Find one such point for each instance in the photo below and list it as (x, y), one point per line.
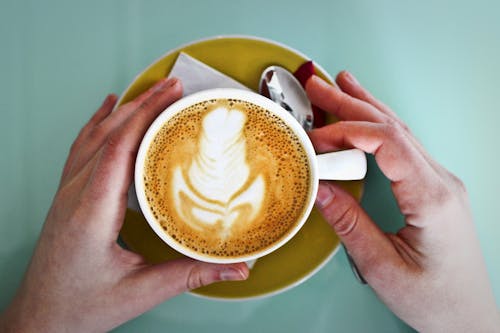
(243, 58)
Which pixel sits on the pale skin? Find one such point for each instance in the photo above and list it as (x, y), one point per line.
(431, 273)
(80, 279)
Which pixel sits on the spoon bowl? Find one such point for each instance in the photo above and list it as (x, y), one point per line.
(281, 86)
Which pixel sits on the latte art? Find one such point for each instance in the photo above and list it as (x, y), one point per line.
(226, 178)
(217, 189)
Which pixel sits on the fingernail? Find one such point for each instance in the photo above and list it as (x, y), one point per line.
(351, 78)
(172, 81)
(231, 274)
(108, 99)
(325, 195)
(166, 83)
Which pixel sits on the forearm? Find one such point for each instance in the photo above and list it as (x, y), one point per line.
(11, 321)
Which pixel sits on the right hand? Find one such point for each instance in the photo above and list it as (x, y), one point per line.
(431, 273)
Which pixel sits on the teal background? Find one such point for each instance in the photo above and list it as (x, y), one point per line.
(437, 63)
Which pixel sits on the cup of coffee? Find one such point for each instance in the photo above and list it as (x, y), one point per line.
(227, 175)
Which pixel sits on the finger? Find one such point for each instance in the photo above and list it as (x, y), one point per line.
(416, 184)
(372, 251)
(101, 114)
(395, 155)
(350, 85)
(339, 103)
(174, 277)
(154, 284)
(97, 135)
(113, 173)
(116, 119)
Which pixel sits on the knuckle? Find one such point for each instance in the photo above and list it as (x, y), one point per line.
(343, 101)
(75, 146)
(365, 96)
(389, 131)
(393, 131)
(459, 184)
(144, 105)
(396, 124)
(97, 133)
(452, 191)
(392, 125)
(448, 190)
(195, 279)
(442, 195)
(147, 103)
(81, 137)
(404, 126)
(113, 144)
(341, 126)
(346, 221)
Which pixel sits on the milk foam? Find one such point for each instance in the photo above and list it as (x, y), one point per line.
(207, 204)
(217, 189)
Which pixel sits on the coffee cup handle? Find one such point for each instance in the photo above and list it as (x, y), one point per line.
(342, 165)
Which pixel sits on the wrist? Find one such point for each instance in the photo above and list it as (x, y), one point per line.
(23, 316)
(487, 322)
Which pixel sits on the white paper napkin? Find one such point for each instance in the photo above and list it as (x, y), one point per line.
(197, 76)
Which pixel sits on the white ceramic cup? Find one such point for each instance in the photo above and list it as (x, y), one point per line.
(341, 165)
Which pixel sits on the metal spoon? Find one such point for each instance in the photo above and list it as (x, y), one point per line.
(279, 85)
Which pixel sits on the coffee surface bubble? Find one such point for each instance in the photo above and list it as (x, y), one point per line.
(226, 178)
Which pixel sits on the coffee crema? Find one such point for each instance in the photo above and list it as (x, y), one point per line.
(226, 178)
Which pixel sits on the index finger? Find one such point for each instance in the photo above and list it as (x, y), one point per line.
(341, 104)
(113, 173)
(415, 182)
(354, 102)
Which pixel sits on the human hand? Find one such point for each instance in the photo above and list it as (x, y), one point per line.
(431, 273)
(80, 279)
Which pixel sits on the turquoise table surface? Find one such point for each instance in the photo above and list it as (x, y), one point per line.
(437, 63)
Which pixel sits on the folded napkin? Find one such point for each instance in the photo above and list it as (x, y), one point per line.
(197, 76)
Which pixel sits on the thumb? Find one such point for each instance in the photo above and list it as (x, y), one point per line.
(157, 283)
(369, 247)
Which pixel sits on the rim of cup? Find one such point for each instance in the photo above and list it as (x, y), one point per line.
(210, 94)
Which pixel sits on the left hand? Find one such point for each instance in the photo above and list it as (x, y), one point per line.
(80, 279)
